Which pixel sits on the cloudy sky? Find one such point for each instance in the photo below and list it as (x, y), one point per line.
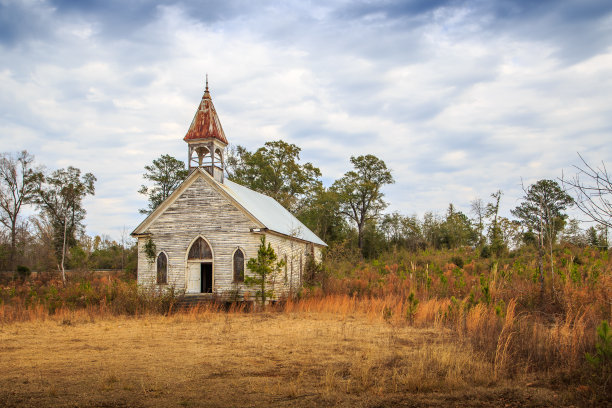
(459, 98)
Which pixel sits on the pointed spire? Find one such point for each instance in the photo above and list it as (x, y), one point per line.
(206, 93)
(206, 123)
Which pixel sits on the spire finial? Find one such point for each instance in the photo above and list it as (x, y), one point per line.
(207, 82)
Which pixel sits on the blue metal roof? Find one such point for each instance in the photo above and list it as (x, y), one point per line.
(270, 213)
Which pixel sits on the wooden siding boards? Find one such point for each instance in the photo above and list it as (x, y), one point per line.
(201, 210)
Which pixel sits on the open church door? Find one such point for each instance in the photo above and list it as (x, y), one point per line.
(194, 277)
(207, 277)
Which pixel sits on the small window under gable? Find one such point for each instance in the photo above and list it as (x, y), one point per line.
(162, 269)
(238, 266)
(200, 250)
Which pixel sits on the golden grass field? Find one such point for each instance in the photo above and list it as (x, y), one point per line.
(219, 359)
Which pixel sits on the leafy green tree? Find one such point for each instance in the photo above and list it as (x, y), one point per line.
(510, 233)
(373, 240)
(321, 214)
(592, 237)
(597, 236)
(265, 268)
(60, 199)
(573, 234)
(18, 181)
(495, 233)
(542, 213)
(432, 229)
(392, 226)
(275, 170)
(359, 191)
(413, 233)
(166, 174)
(457, 229)
(603, 235)
(402, 231)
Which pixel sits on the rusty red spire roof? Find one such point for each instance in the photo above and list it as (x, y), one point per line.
(205, 123)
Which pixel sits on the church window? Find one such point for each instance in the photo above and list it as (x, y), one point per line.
(238, 266)
(200, 250)
(162, 269)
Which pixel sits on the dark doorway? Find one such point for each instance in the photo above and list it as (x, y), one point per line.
(207, 278)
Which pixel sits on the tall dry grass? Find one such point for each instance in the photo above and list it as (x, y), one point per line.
(108, 296)
(495, 305)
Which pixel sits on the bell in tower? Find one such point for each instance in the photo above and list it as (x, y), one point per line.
(206, 140)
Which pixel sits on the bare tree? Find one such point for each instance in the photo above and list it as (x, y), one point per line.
(18, 181)
(592, 189)
(124, 240)
(478, 210)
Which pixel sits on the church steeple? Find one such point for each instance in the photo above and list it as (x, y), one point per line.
(206, 139)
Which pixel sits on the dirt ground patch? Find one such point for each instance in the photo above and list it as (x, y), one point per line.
(248, 360)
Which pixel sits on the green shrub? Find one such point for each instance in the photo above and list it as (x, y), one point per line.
(457, 260)
(150, 250)
(601, 360)
(485, 252)
(484, 288)
(411, 309)
(23, 272)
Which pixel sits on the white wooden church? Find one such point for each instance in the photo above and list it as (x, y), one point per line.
(207, 229)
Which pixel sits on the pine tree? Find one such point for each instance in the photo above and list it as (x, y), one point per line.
(265, 268)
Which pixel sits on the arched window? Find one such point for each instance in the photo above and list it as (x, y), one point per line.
(200, 250)
(238, 266)
(162, 269)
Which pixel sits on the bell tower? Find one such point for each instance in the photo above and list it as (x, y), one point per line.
(205, 139)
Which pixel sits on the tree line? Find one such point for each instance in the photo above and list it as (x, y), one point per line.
(349, 213)
(54, 238)
(351, 210)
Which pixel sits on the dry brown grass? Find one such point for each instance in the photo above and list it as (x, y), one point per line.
(211, 358)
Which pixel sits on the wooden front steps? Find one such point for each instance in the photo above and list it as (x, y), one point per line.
(189, 301)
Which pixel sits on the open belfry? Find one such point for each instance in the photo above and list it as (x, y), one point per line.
(199, 239)
(206, 139)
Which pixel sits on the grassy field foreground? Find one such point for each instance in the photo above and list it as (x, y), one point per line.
(257, 359)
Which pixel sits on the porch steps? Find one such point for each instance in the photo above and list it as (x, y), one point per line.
(188, 302)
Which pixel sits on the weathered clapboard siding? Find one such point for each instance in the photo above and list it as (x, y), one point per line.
(199, 211)
(294, 252)
(202, 211)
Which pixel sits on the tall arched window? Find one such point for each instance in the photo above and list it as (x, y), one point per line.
(200, 250)
(162, 269)
(238, 266)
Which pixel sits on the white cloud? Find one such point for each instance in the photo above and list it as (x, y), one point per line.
(457, 100)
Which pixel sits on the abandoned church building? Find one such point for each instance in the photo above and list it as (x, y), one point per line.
(201, 237)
